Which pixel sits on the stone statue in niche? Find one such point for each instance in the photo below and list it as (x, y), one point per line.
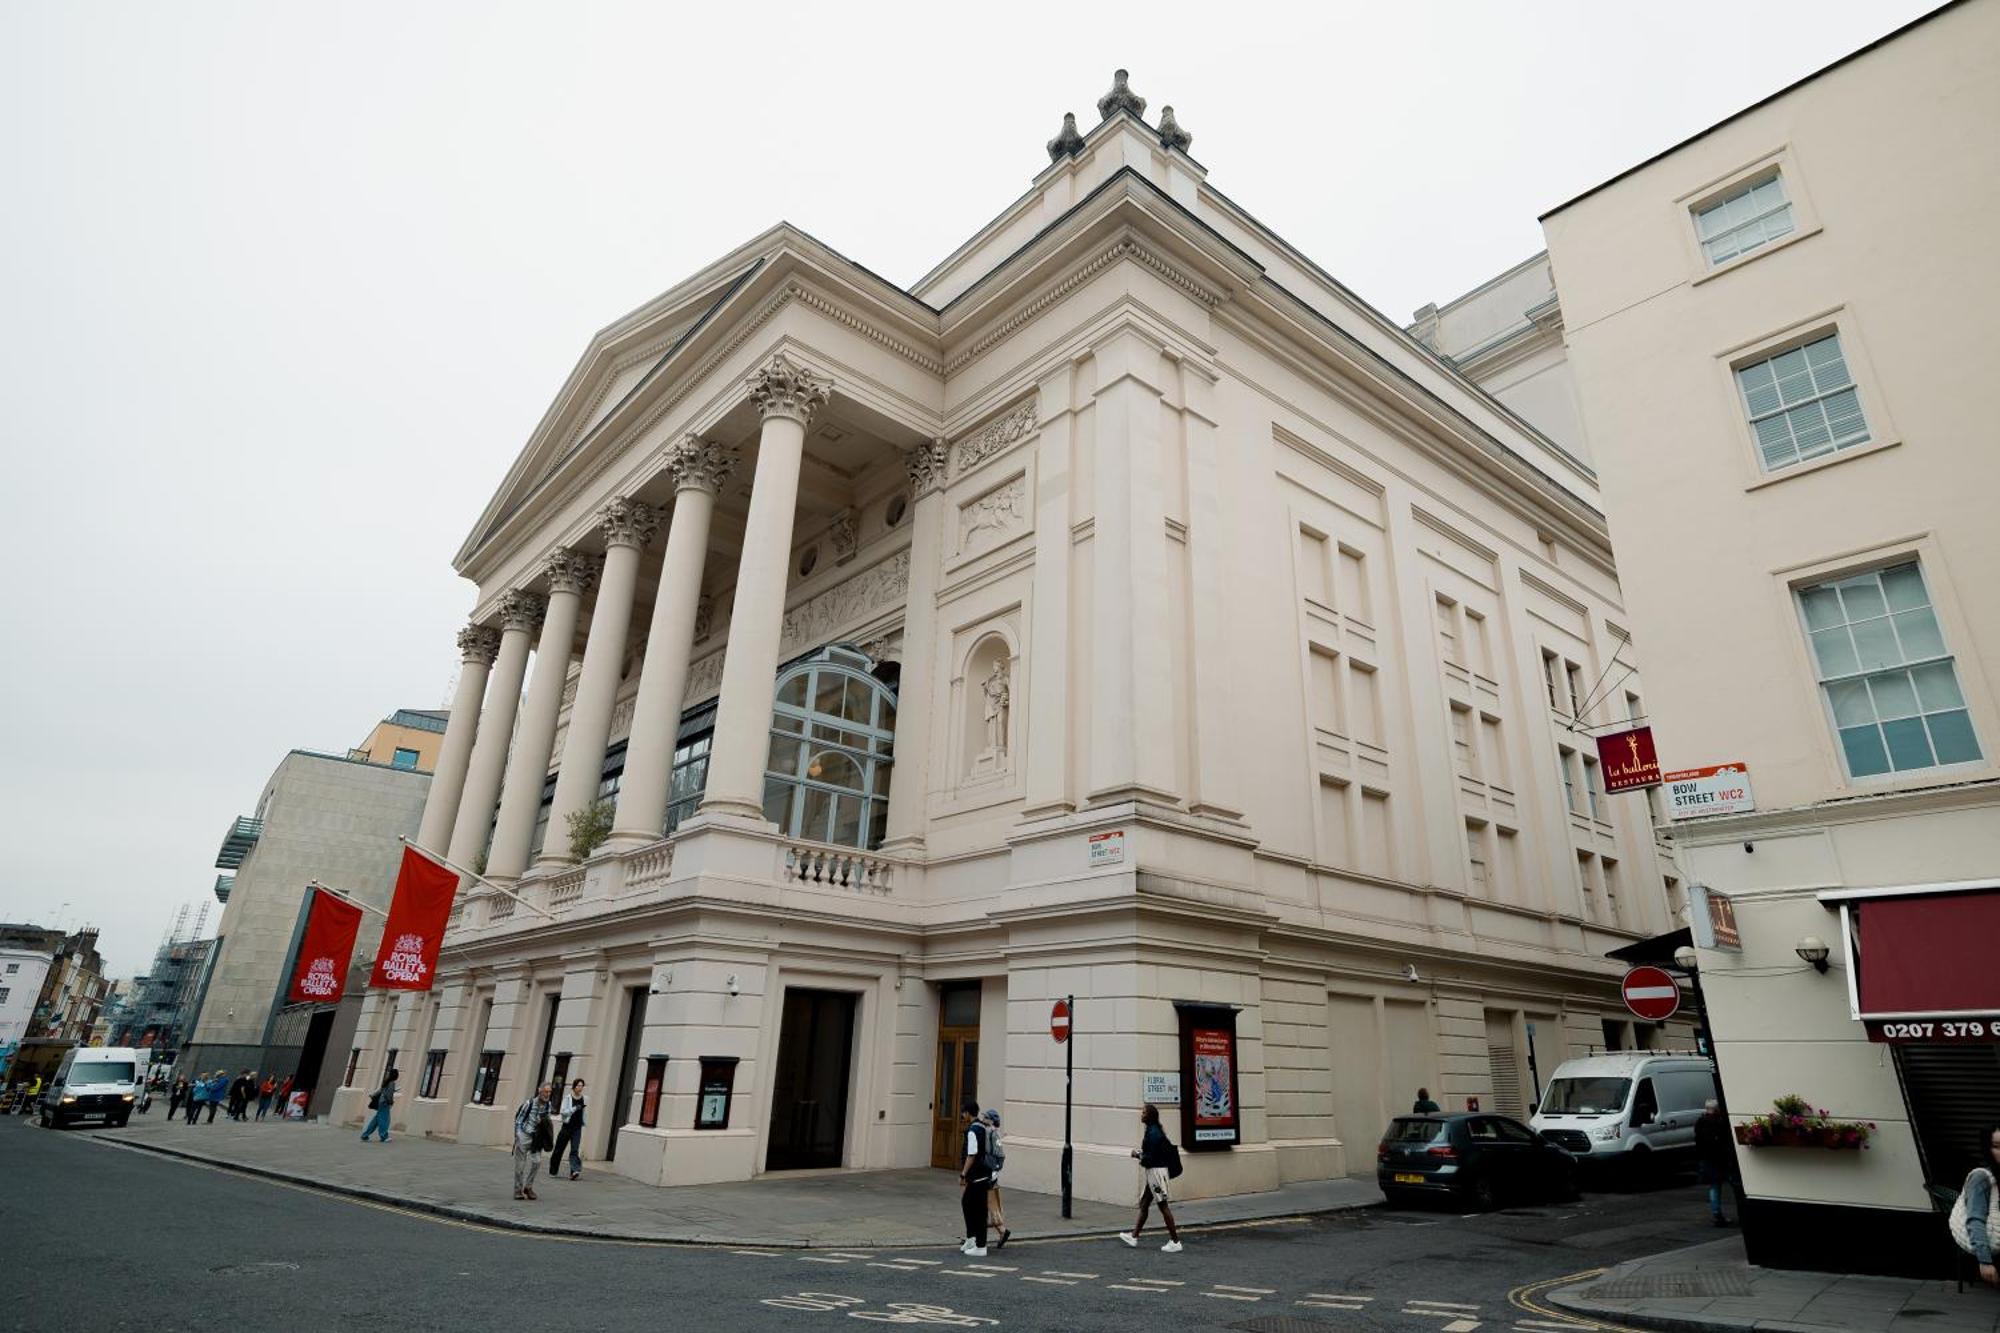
(998, 696)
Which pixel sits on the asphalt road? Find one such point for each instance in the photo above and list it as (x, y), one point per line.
(103, 1238)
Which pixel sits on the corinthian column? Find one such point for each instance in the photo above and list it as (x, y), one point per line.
(916, 694)
(478, 644)
(787, 396)
(627, 526)
(699, 469)
(520, 612)
(569, 573)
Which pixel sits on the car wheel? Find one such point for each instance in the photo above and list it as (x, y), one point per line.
(1481, 1195)
(122, 1121)
(42, 1118)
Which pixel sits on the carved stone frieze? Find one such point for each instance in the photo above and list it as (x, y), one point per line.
(572, 571)
(627, 523)
(522, 610)
(479, 645)
(704, 617)
(704, 677)
(845, 605)
(700, 465)
(1121, 98)
(926, 464)
(1001, 511)
(995, 436)
(1068, 142)
(782, 388)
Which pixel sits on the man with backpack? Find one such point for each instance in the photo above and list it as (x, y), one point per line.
(1159, 1162)
(976, 1178)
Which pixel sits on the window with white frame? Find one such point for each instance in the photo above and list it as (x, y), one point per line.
(1888, 679)
(1566, 763)
(1802, 403)
(1741, 221)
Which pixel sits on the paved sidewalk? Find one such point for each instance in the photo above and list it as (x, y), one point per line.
(817, 1209)
(1712, 1289)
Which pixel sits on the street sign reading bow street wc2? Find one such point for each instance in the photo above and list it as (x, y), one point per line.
(1651, 994)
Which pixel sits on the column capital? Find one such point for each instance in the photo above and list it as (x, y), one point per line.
(627, 523)
(700, 465)
(522, 610)
(479, 644)
(572, 571)
(781, 388)
(926, 465)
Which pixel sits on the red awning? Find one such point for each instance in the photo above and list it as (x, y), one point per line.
(1926, 956)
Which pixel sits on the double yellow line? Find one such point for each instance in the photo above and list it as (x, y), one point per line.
(1523, 1298)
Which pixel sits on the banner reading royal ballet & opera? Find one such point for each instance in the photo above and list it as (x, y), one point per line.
(325, 949)
(407, 957)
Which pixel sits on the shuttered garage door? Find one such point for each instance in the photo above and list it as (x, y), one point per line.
(1952, 1091)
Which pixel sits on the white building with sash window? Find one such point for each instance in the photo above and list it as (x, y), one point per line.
(1124, 611)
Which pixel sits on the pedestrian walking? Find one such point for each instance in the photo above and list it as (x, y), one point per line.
(571, 1132)
(265, 1091)
(1715, 1159)
(976, 1178)
(241, 1089)
(1424, 1105)
(1975, 1217)
(996, 1212)
(380, 1101)
(197, 1094)
(284, 1095)
(1159, 1162)
(532, 1138)
(218, 1088)
(175, 1097)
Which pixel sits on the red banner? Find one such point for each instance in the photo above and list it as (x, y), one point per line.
(320, 976)
(1628, 761)
(407, 958)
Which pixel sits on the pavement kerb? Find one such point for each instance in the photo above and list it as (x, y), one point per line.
(475, 1217)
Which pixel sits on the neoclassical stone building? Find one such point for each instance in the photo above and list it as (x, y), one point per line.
(1124, 611)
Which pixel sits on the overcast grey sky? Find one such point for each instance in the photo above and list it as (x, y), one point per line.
(283, 288)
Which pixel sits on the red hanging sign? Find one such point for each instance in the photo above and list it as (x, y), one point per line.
(1628, 761)
(407, 958)
(320, 976)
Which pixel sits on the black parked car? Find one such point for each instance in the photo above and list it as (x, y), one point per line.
(1477, 1158)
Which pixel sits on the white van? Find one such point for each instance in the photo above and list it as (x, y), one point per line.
(1632, 1109)
(93, 1083)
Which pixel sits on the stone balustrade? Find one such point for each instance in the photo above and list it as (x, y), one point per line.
(825, 866)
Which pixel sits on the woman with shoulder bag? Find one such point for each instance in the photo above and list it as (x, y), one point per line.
(381, 1103)
(571, 1133)
(1975, 1218)
(1159, 1161)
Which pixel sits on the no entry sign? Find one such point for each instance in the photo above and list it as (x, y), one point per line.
(1059, 1021)
(1651, 994)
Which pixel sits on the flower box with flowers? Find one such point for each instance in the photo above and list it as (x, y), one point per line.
(1793, 1123)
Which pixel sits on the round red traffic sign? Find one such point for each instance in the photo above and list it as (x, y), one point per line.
(1651, 993)
(1059, 1021)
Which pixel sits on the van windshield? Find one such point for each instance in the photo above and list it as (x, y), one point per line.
(1585, 1096)
(101, 1071)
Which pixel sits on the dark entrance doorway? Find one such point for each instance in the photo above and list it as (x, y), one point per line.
(809, 1086)
(628, 1064)
(313, 1053)
(957, 1070)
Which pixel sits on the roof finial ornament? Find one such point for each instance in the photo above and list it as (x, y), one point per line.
(1121, 98)
(1067, 143)
(1171, 133)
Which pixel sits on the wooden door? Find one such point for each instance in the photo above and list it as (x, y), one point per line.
(957, 1075)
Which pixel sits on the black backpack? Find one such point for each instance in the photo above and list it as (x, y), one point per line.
(989, 1161)
(1173, 1161)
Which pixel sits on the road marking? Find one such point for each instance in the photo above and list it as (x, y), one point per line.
(1057, 1272)
(962, 1272)
(1336, 1296)
(1523, 1298)
(1052, 1281)
(1461, 1326)
(815, 1259)
(850, 1254)
(1330, 1305)
(995, 1268)
(1230, 1296)
(927, 1263)
(761, 1254)
(1441, 1305)
(1160, 1281)
(900, 1268)
(1120, 1286)
(1544, 1324)
(1257, 1291)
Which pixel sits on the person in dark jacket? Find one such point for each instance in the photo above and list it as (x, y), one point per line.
(974, 1178)
(571, 1133)
(175, 1097)
(1155, 1156)
(384, 1099)
(1715, 1158)
(240, 1093)
(1424, 1105)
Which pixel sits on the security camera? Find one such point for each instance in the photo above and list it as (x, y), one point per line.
(731, 983)
(1409, 972)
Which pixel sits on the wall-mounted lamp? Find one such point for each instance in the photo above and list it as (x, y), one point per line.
(1685, 958)
(1813, 949)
